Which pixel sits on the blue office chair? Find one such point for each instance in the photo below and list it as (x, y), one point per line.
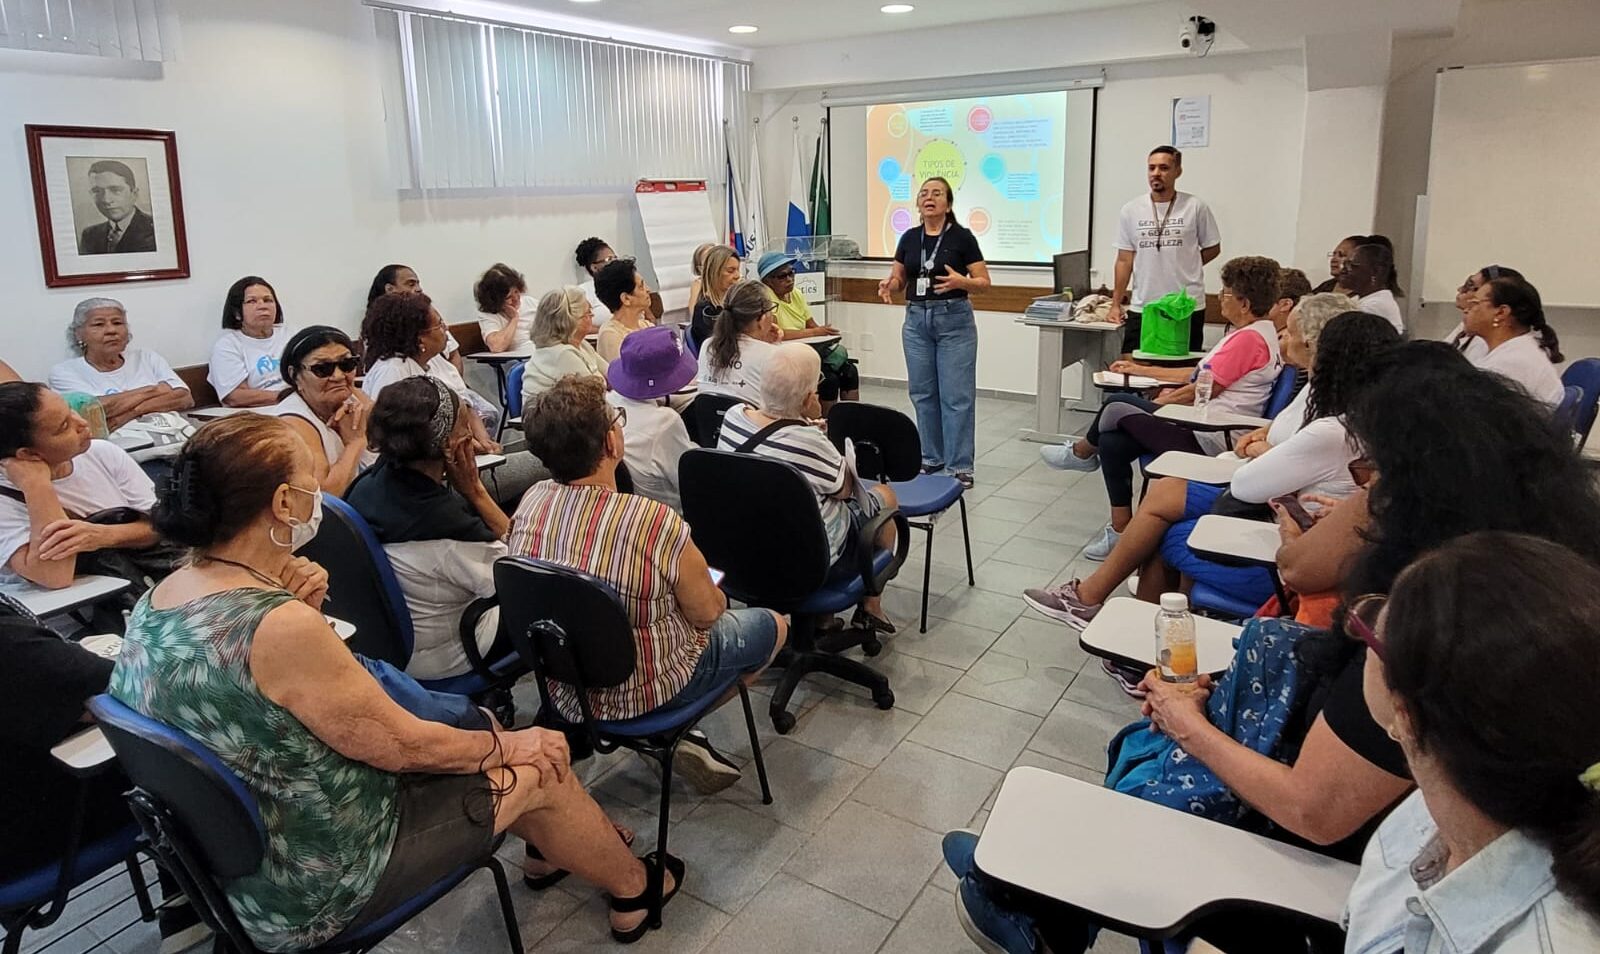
(757, 518)
(513, 415)
(363, 590)
(571, 628)
(1584, 373)
(689, 339)
(205, 828)
(888, 449)
(1220, 604)
(1566, 413)
(1283, 391)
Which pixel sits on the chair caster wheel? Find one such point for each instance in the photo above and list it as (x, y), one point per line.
(783, 722)
(884, 699)
(871, 647)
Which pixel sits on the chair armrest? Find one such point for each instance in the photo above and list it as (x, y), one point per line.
(469, 632)
(867, 548)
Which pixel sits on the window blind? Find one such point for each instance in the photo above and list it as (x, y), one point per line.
(491, 106)
(121, 29)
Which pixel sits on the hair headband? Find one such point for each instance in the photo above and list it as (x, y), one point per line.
(444, 415)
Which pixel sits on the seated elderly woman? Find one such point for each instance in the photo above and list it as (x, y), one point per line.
(652, 367)
(403, 278)
(688, 640)
(53, 477)
(840, 380)
(442, 532)
(362, 801)
(622, 289)
(244, 360)
(130, 382)
(560, 324)
(733, 360)
(324, 406)
(405, 337)
(785, 426)
(499, 294)
(1507, 316)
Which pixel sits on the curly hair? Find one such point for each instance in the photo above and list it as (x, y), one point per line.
(1293, 284)
(1456, 451)
(394, 325)
(587, 249)
(495, 285)
(566, 426)
(1346, 349)
(1253, 279)
(743, 306)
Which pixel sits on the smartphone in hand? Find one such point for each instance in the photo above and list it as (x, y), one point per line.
(1291, 506)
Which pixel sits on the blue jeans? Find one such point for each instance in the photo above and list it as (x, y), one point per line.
(941, 346)
(740, 641)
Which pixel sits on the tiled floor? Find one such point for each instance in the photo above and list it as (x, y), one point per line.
(846, 860)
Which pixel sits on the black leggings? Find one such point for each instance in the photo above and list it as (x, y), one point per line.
(1125, 430)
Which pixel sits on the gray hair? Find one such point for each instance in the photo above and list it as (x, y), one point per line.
(558, 315)
(80, 317)
(789, 378)
(1314, 312)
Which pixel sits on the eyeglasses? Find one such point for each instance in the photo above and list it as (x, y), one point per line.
(621, 420)
(325, 369)
(1361, 620)
(1225, 293)
(1362, 471)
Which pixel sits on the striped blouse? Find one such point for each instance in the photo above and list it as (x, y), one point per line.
(634, 543)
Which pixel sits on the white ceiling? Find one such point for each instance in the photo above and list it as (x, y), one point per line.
(783, 22)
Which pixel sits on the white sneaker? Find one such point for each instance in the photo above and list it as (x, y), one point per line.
(1102, 545)
(1061, 457)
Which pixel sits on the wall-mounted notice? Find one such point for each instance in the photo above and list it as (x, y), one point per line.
(1191, 122)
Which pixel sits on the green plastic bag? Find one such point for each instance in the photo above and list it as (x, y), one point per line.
(1164, 327)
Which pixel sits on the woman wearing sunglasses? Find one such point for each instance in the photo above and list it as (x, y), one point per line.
(324, 406)
(1499, 847)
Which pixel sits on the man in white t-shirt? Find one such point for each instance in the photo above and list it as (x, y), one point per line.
(1369, 275)
(1164, 241)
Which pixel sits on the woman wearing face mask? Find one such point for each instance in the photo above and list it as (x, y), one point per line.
(233, 649)
(324, 407)
(937, 264)
(244, 361)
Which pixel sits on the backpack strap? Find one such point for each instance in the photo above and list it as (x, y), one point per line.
(760, 437)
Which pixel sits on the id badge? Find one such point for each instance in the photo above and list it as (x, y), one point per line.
(922, 286)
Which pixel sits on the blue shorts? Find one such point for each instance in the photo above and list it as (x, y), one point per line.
(740, 641)
(1249, 583)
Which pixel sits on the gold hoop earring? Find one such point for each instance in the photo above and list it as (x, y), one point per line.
(272, 534)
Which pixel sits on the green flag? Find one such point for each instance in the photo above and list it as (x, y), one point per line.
(821, 217)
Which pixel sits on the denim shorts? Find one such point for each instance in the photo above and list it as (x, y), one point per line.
(740, 641)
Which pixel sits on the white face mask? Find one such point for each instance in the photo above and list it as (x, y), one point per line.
(301, 532)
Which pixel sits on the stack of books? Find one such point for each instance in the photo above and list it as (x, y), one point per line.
(1051, 307)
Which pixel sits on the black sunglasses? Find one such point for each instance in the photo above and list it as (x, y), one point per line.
(325, 369)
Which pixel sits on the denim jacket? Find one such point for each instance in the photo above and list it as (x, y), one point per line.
(1503, 899)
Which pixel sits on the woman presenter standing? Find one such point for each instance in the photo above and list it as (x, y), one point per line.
(936, 264)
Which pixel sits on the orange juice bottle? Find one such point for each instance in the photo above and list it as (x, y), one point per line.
(1175, 651)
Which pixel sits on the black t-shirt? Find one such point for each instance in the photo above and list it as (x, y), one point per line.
(44, 683)
(957, 249)
(705, 318)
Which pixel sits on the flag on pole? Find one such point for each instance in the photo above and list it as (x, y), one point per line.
(821, 213)
(755, 199)
(799, 227)
(734, 235)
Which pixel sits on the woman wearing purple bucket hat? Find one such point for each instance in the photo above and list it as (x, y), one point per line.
(651, 366)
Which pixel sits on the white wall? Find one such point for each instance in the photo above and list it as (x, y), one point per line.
(286, 173)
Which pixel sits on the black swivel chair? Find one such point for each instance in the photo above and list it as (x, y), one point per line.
(703, 416)
(757, 519)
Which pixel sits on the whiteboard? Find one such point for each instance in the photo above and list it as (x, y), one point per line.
(1509, 181)
(676, 215)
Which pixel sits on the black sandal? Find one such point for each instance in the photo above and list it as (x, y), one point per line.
(876, 624)
(641, 902)
(552, 878)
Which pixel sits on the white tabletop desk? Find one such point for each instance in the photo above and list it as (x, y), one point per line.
(1101, 851)
(131, 441)
(1200, 468)
(819, 339)
(1210, 419)
(83, 590)
(1124, 631)
(212, 413)
(84, 752)
(490, 461)
(1124, 382)
(1236, 539)
(1062, 344)
(1167, 360)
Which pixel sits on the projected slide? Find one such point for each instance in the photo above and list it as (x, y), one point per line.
(1005, 157)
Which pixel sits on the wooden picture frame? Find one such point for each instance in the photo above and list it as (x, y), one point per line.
(109, 204)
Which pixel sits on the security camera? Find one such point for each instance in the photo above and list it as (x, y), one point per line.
(1196, 35)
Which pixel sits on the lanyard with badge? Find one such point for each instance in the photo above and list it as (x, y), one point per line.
(1161, 224)
(924, 280)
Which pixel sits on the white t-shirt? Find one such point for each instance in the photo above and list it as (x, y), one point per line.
(522, 340)
(102, 477)
(653, 440)
(1382, 304)
(1315, 459)
(743, 380)
(1475, 349)
(1183, 227)
(140, 369)
(439, 579)
(396, 368)
(1524, 362)
(238, 359)
(602, 314)
(332, 444)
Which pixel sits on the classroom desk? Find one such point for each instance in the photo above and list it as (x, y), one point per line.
(82, 591)
(83, 753)
(1200, 468)
(1167, 360)
(1101, 851)
(1238, 542)
(1117, 381)
(132, 441)
(1211, 419)
(1124, 632)
(490, 461)
(501, 361)
(1092, 344)
(213, 413)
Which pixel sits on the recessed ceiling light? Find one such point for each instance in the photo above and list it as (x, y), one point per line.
(896, 8)
(743, 28)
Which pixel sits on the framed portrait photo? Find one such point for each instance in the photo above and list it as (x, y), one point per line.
(109, 205)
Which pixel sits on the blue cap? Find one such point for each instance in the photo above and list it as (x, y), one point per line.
(772, 261)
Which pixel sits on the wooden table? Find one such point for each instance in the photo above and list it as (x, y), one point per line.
(1141, 868)
(1124, 632)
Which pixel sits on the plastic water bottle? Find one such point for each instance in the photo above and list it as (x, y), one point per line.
(1175, 652)
(1202, 389)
